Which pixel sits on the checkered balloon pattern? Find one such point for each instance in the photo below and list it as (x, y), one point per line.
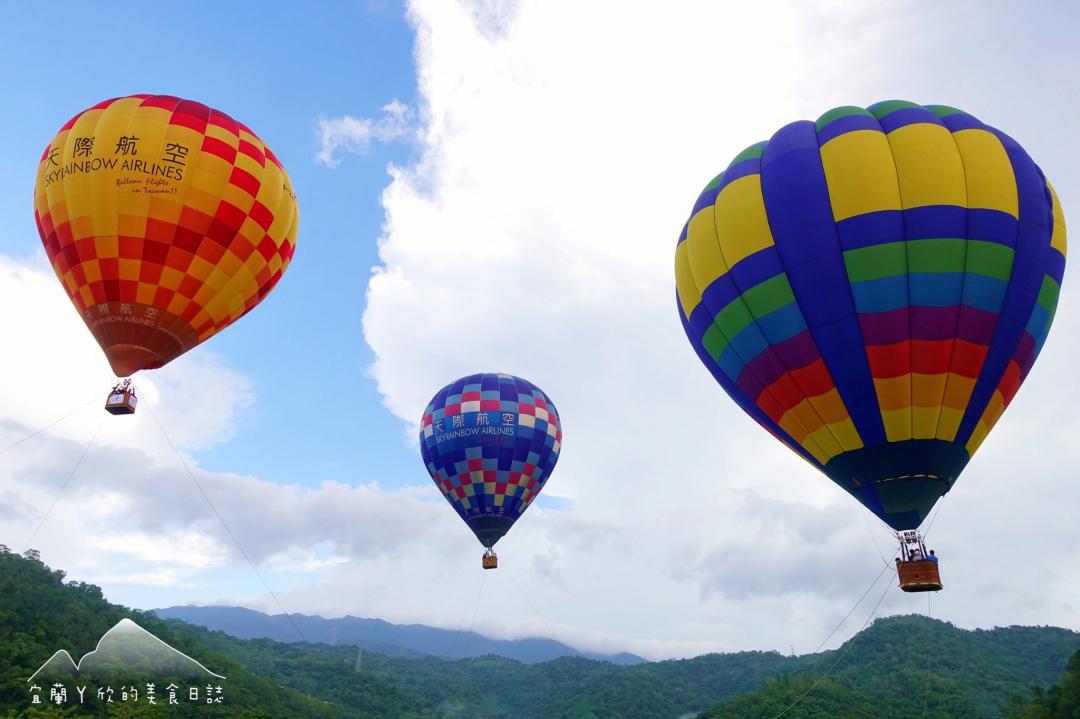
(873, 288)
(165, 221)
(490, 442)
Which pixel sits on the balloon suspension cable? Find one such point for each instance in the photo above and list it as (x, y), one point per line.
(221, 519)
(530, 602)
(873, 538)
(929, 658)
(464, 613)
(912, 545)
(842, 653)
(933, 517)
(50, 425)
(884, 525)
(64, 486)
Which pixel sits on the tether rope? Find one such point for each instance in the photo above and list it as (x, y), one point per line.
(538, 614)
(472, 624)
(926, 693)
(50, 425)
(67, 481)
(464, 613)
(842, 653)
(221, 519)
(852, 610)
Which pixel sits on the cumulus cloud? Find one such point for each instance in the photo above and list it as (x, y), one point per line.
(535, 234)
(354, 135)
(119, 507)
(125, 513)
(54, 367)
(136, 524)
(560, 153)
(121, 493)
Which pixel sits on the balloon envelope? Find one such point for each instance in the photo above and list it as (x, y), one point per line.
(490, 442)
(165, 221)
(873, 288)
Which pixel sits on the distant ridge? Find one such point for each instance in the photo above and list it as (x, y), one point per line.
(379, 636)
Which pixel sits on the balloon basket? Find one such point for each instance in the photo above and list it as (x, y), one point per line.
(916, 568)
(919, 576)
(122, 399)
(489, 560)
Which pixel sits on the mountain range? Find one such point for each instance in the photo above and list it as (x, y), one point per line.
(376, 635)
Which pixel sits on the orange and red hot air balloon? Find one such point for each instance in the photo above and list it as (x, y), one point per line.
(165, 220)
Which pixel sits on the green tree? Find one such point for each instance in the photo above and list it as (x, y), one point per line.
(1061, 701)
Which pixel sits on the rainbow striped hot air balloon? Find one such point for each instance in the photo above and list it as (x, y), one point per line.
(873, 288)
(165, 221)
(490, 442)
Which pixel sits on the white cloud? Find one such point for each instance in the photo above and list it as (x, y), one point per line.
(562, 149)
(124, 502)
(562, 146)
(131, 519)
(355, 134)
(117, 512)
(54, 367)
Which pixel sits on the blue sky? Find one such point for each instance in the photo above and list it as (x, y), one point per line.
(547, 162)
(278, 67)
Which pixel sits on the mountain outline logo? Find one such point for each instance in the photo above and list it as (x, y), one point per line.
(126, 647)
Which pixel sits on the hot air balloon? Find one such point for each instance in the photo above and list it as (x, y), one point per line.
(872, 288)
(490, 442)
(165, 221)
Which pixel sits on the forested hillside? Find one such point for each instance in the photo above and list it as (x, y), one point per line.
(895, 668)
(932, 698)
(40, 614)
(1061, 701)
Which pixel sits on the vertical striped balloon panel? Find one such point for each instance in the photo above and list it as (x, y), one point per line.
(872, 288)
